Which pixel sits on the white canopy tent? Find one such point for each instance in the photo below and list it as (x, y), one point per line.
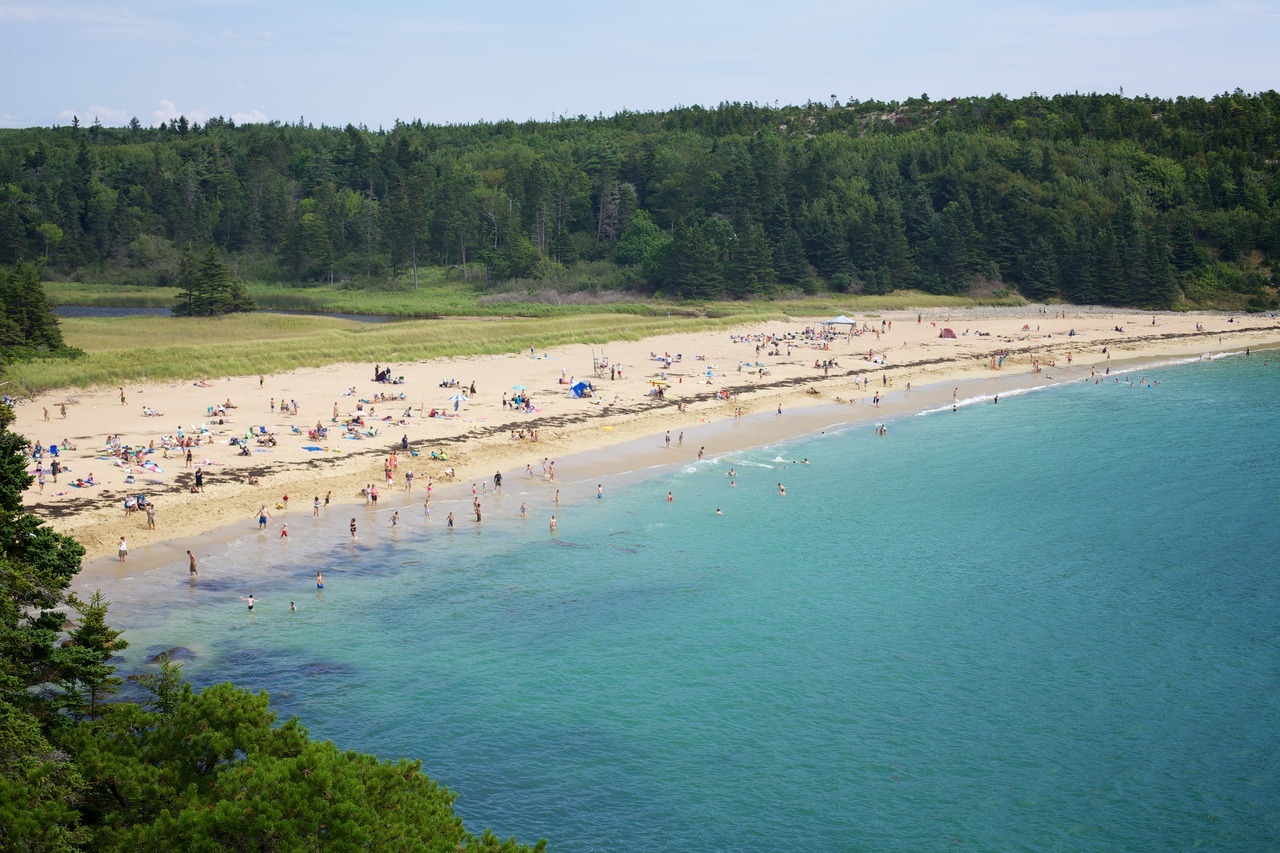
(841, 321)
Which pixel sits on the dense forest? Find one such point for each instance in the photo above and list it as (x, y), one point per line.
(1090, 198)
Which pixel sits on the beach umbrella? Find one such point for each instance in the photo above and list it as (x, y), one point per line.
(457, 398)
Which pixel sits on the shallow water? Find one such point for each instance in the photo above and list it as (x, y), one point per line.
(1046, 624)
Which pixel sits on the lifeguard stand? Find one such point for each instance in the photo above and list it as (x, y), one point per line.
(599, 363)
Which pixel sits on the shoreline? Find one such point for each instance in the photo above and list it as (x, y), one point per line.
(592, 438)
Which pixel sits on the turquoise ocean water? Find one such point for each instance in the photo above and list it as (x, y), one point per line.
(1047, 624)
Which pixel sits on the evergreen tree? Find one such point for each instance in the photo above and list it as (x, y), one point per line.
(88, 678)
(26, 320)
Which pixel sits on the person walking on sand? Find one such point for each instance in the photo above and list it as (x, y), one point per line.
(122, 549)
(262, 517)
(191, 568)
(199, 480)
(122, 400)
(63, 408)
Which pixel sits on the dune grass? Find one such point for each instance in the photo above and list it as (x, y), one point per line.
(172, 348)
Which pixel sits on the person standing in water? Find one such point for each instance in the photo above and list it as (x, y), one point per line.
(319, 581)
(192, 568)
(252, 601)
(353, 528)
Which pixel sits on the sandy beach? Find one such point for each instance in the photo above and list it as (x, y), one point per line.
(770, 380)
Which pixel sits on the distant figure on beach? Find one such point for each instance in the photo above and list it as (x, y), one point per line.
(122, 400)
(252, 601)
(668, 439)
(426, 508)
(553, 524)
(122, 549)
(353, 528)
(319, 581)
(670, 497)
(395, 518)
(192, 568)
(701, 452)
(262, 517)
(449, 520)
(497, 481)
(284, 531)
(315, 507)
(524, 509)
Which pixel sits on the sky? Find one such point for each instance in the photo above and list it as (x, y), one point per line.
(375, 62)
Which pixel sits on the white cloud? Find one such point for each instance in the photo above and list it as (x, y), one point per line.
(254, 117)
(169, 111)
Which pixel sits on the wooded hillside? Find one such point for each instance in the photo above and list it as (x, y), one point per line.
(1089, 198)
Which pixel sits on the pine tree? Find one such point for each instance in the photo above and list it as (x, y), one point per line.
(88, 679)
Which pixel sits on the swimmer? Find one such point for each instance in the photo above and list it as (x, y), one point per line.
(449, 521)
(319, 581)
(426, 508)
(395, 518)
(718, 512)
(599, 491)
(252, 601)
(553, 524)
(670, 497)
(293, 608)
(782, 490)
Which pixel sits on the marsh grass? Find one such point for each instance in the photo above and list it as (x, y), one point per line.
(440, 298)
